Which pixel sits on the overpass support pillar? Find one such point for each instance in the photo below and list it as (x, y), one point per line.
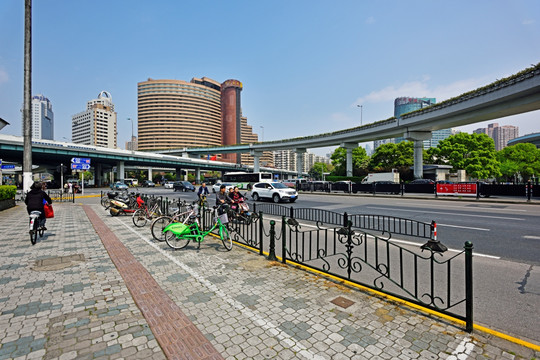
(418, 137)
(198, 175)
(150, 173)
(178, 174)
(256, 160)
(120, 171)
(98, 175)
(300, 161)
(348, 159)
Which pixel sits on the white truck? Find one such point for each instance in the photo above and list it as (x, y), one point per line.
(387, 176)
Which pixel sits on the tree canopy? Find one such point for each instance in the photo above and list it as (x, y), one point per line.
(339, 160)
(475, 153)
(389, 156)
(318, 169)
(520, 159)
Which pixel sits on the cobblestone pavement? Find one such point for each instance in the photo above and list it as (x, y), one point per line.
(65, 298)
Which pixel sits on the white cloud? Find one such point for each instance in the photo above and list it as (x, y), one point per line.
(420, 88)
(370, 20)
(527, 22)
(4, 77)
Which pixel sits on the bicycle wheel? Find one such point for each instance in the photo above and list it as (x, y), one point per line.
(139, 218)
(158, 225)
(176, 242)
(225, 238)
(105, 201)
(34, 232)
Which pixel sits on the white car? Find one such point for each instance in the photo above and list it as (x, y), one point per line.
(168, 185)
(215, 187)
(273, 190)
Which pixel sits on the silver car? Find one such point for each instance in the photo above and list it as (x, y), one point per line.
(273, 190)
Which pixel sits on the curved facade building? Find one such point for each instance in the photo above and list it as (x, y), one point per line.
(176, 113)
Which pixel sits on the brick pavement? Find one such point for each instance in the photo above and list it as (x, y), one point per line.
(79, 306)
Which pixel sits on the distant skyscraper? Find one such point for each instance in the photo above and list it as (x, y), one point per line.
(378, 143)
(500, 134)
(132, 145)
(404, 105)
(97, 125)
(42, 118)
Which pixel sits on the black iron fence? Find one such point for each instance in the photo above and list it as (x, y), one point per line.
(61, 196)
(359, 249)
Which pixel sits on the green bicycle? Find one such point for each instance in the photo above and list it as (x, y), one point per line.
(178, 235)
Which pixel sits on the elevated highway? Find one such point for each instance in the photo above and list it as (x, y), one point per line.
(514, 95)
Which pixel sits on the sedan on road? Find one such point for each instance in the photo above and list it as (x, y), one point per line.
(148, 183)
(274, 190)
(168, 185)
(183, 186)
(119, 186)
(215, 187)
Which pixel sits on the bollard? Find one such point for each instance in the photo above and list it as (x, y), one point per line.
(477, 190)
(272, 252)
(433, 244)
(261, 232)
(468, 287)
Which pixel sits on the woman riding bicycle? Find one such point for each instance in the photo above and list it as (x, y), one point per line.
(35, 199)
(236, 199)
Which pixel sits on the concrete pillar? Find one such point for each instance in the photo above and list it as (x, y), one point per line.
(418, 137)
(348, 159)
(197, 175)
(256, 160)
(299, 161)
(178, 174)
(98, 174)
(150, 173)
(120, 171)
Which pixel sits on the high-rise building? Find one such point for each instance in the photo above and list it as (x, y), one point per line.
(403, 105)
(500, 134)
(286, 159)
(42, 118)
(132, 145)
(97, 125)
(231, 114)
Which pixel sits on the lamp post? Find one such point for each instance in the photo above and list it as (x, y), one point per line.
(131, 140)
(361, 107)
(262, 133)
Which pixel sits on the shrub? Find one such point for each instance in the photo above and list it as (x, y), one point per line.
(7, 192)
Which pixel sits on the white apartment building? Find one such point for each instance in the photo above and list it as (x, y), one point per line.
(97, 125)
(286, 159)
(42, 118)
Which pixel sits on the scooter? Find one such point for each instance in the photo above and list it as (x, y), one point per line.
(119, 206)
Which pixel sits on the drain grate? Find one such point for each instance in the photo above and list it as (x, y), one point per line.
(58, 262)
(342, 302)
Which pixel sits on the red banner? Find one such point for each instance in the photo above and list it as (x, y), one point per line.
(466, 189)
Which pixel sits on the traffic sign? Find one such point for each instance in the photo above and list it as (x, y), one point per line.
(8, 166)
(80, 160)
(80, 166)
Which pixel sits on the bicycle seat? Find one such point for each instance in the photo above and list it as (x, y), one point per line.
(35, 213)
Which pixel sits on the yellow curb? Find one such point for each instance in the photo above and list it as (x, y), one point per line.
(409, 304)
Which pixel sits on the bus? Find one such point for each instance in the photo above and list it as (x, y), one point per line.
(245, 180)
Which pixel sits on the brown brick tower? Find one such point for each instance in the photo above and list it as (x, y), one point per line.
(231, 112)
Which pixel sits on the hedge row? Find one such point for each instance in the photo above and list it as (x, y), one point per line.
(7, 192)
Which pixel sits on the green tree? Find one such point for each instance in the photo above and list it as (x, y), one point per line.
(391, 156)
(474, 153)
(520, 159)
(339, 160)
(317, 170)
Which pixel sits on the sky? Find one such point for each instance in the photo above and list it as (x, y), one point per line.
(305, 65)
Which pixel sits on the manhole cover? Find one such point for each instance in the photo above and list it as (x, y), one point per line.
(58, 262)
(342, 302)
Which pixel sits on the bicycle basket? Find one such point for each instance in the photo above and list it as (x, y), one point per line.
(223, 218)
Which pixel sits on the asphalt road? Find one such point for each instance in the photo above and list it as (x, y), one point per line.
(506, 240)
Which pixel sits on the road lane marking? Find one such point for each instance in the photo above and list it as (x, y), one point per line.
(463, 227)
(445, 213)
(531, 237)
(467, 207)
(254, 316)
(408, 242)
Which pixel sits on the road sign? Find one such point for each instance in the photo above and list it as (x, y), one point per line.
(8, 166)
(80, 160)
(80, 166)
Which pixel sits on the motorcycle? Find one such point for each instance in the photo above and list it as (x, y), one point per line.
(240, 211)
(125, 206)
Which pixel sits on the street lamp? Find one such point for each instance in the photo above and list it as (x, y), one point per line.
(262, 134)
(361, 107)
(131, 140)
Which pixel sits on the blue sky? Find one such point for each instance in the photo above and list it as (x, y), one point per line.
(305, 65)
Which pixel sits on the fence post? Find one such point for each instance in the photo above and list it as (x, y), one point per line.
(291, 212)
(373, 188)
(261, 232)
(529, 190)
(272, 251)
(477, 190)
(283, 238)
(402, 187)
(433, 244)
(345, 218)
(468, 287)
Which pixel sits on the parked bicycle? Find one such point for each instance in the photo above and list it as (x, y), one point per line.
(144, 214)
(179, 235)
(179, 216)
(35, 226)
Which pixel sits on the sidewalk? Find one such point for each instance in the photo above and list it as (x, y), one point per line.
(96, 287)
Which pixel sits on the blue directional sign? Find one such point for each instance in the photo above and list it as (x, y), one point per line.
(80, 166)
(80, 160)
(8, 166)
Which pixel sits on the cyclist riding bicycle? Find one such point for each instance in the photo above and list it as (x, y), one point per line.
(203, 190)
(236, 199)
(222, 200)
(34, 201)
